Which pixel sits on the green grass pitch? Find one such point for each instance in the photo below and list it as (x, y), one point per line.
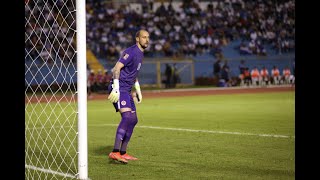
(168, 148)
(236, 136)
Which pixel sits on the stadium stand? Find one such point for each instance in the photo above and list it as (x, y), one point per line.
(188, 29)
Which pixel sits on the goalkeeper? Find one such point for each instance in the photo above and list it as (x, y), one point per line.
(125, 74)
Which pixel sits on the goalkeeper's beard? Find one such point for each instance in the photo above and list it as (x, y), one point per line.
(144, 46)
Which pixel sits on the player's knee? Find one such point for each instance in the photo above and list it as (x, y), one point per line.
(130, 116)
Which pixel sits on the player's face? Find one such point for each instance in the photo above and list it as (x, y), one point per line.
(143, 39)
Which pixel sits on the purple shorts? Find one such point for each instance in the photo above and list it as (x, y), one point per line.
(125, 101)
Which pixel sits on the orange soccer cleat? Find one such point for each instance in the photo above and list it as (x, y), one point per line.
(128, 157)
(116, 156)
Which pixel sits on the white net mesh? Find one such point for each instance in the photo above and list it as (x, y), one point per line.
(50, 84)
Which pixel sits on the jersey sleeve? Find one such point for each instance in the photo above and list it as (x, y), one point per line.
(125, 57)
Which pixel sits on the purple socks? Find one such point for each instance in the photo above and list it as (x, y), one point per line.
(125, 130)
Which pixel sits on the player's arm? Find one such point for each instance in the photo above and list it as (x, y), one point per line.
(138, 90)
(114, 95)
(116, 70)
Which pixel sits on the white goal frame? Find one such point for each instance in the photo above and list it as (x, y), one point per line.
(82, 89)
(80, 145)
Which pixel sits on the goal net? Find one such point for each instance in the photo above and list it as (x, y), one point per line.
(55, 90)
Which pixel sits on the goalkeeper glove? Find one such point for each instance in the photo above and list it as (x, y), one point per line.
(114, 95)
(138, 90)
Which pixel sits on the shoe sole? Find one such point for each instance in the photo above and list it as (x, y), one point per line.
(118, 160)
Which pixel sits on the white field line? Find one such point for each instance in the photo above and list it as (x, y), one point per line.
(50, 171)
(191, 130)
(206, 131)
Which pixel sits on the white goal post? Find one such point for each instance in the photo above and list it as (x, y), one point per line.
(56, 144)
(82, 89)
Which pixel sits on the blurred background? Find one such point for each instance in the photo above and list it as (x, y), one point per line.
(193, 42)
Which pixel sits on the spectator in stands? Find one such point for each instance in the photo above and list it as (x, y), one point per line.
(161, 10)
(62, 44)
(112, 54)
(167, 49)
(252, 47)
(261, 51)
(244, 49)
(216, 47)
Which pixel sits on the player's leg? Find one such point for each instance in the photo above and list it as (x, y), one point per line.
(254, 81)
(121, 131)
(132, 121)
(241, 77)
(288, 79)
(291, 79)
(260, 80)
(268, 80)
(275, 80)
(122, 127)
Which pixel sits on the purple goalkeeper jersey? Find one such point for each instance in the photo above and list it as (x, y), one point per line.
(132, 59)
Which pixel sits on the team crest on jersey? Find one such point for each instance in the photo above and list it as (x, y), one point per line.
(125, 56)
(123, 103)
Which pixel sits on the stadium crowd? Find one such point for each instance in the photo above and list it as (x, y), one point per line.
(50, 31)
(186, 30)
(190, 30)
